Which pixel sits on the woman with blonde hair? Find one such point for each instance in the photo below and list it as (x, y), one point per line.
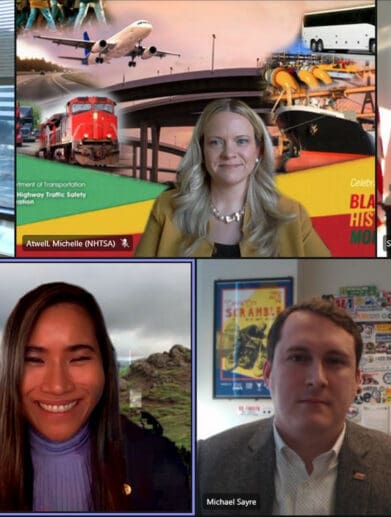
(226, 203)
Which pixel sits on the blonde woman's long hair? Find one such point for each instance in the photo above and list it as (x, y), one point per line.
(192, 201)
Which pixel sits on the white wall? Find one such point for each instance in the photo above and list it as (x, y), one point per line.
(311, 278)
(215, 415)
(326, 276)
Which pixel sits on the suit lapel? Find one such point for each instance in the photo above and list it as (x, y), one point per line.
(262, 447)
(353, 479)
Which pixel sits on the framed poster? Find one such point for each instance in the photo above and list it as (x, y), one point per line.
(243, 314)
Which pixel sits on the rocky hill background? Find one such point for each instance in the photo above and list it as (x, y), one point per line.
(164, 380)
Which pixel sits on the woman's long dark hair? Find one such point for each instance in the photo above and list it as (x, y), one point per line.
(107, 457)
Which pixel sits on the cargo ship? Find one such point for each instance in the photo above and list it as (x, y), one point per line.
(320, 136)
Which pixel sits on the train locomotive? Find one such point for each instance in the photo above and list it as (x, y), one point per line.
(86, 134)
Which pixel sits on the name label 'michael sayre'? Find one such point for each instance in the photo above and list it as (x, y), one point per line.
(232, 501)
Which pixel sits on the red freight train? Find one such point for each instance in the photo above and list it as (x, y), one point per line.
(85, 134)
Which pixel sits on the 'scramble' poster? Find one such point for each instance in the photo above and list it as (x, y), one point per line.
(244, 312)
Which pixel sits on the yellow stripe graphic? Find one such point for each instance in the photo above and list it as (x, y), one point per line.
(327, 190)
(127, 219)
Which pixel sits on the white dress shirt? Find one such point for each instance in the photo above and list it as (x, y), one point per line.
(297, 492)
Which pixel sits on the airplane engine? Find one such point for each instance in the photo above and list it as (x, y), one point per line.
(148, 52)
(99, 46)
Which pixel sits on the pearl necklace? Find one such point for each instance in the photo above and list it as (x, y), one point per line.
(235, 216)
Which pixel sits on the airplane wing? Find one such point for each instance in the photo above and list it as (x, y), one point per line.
(76, 43)
(146, 53)
(163, 53)
(80, 59)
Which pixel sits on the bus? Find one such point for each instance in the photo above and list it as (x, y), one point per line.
(349, 28)
(26, 118)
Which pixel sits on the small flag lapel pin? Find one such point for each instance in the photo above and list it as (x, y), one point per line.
(127, 489)
(360, 476)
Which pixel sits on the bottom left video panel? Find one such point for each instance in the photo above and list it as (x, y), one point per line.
(96, 387)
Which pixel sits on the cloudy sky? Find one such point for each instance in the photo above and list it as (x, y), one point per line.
(146, 305)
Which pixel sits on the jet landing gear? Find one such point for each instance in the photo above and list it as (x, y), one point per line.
(137, 51)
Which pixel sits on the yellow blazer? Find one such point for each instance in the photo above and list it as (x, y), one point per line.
(162, 238)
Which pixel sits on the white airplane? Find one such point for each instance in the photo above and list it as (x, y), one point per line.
(125, 43)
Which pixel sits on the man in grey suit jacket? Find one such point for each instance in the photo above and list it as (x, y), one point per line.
(266, 467)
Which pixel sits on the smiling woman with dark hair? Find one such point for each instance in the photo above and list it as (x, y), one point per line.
(64, 445)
